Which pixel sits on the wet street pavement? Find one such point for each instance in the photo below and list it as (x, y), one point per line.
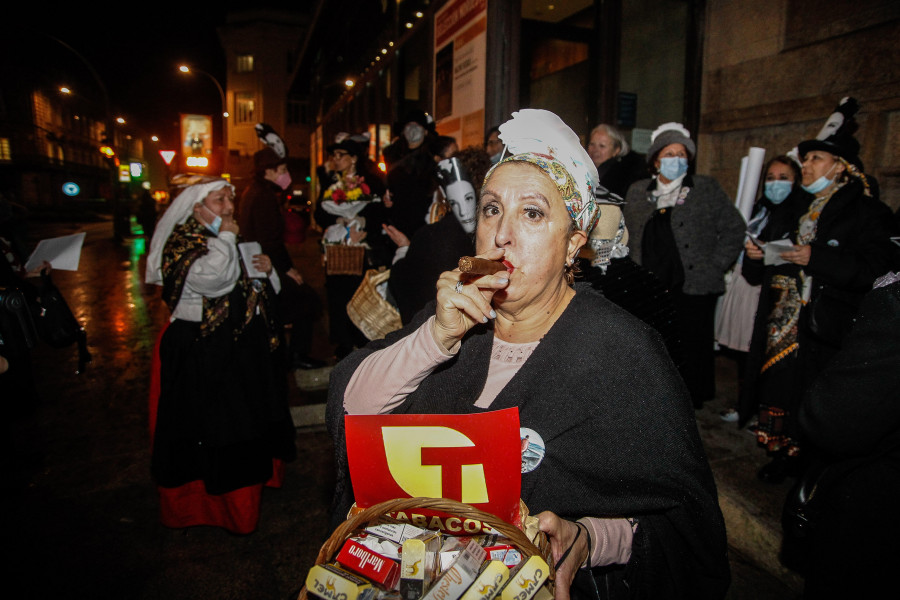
(84, 513)
(84, 518)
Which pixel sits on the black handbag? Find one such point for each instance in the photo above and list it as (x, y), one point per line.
(55, 323)
(17, 331)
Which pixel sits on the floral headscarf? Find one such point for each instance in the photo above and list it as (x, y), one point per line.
(540, 138)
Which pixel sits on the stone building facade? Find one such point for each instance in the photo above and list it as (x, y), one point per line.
(773, 70)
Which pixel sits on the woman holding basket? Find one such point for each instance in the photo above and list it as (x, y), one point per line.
(624, 491)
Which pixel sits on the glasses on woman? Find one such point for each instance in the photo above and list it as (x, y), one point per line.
(340, 153)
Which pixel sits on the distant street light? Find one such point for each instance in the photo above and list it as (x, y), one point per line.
(121, 226)
(187, 69)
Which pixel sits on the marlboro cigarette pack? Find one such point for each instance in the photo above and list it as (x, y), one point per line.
(526, 579)
(489, 582)
(454, 581)
(371, 565)
(418, 564)
(332, 583)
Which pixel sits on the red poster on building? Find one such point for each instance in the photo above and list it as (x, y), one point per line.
(475, 459)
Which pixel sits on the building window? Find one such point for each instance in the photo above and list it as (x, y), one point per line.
(243, 107)
(245, 63)
(5, 153)
(297, 112)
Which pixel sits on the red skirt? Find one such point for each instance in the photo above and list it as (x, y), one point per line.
(188, 505)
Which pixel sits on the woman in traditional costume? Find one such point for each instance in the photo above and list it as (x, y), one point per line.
(222, 428)
(842, 243)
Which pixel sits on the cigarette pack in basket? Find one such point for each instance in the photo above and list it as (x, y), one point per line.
(343, 259)
(379, 514)
(375, 316)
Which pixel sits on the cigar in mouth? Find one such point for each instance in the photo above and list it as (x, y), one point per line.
(480, 266)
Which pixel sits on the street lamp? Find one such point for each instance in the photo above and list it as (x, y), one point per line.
(121, 226)
(187, 69)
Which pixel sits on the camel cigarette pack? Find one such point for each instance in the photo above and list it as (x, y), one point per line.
(371, 565)
(332, 583)
(418, 564)
(456, 580)
(526, 579)
(489, 582)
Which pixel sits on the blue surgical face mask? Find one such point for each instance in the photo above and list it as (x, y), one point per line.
(819, 184)
(673, 167)
(215, 225)
(777, 190)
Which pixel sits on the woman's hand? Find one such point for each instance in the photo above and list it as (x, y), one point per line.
(357, 236)
(45, 267)
(465, 300)
(229, 224)
(752, 250)
(565, 536)
(799, 255)
(397, 236)
(263, 263)
(295, 275)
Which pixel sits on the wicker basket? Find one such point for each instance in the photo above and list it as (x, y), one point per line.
(377, 515)
(341, 259)
(375, 316)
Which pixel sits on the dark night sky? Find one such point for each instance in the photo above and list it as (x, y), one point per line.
(135, 51)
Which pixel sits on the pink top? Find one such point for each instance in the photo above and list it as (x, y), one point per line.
(413, 358)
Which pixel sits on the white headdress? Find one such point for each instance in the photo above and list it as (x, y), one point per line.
(541, 138)
(178, 212)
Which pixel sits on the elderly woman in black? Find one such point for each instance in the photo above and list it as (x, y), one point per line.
(624, 484)
(222, 428)
(841, 245)
(688, 233)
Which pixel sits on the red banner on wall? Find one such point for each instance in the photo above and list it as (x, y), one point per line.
(473, 458)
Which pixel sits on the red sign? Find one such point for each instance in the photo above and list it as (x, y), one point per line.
(475, 459)
(167, 156)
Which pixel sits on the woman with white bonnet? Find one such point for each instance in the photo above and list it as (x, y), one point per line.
(687, 232)
(623, 491)
(222, 427)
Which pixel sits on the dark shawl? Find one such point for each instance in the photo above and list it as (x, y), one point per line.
(620, 434)
(185, 245)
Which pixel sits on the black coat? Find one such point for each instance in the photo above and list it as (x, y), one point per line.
(620, 434)
(851, 418)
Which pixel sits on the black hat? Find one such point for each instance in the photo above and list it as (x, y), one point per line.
(417, 115)
(267, 159)
(839, 143)
(347, 145)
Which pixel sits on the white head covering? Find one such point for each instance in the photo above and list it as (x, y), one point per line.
(541, 138)
(177, 213)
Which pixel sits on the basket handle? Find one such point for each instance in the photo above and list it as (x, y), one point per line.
(357, 521)
(378, 277)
